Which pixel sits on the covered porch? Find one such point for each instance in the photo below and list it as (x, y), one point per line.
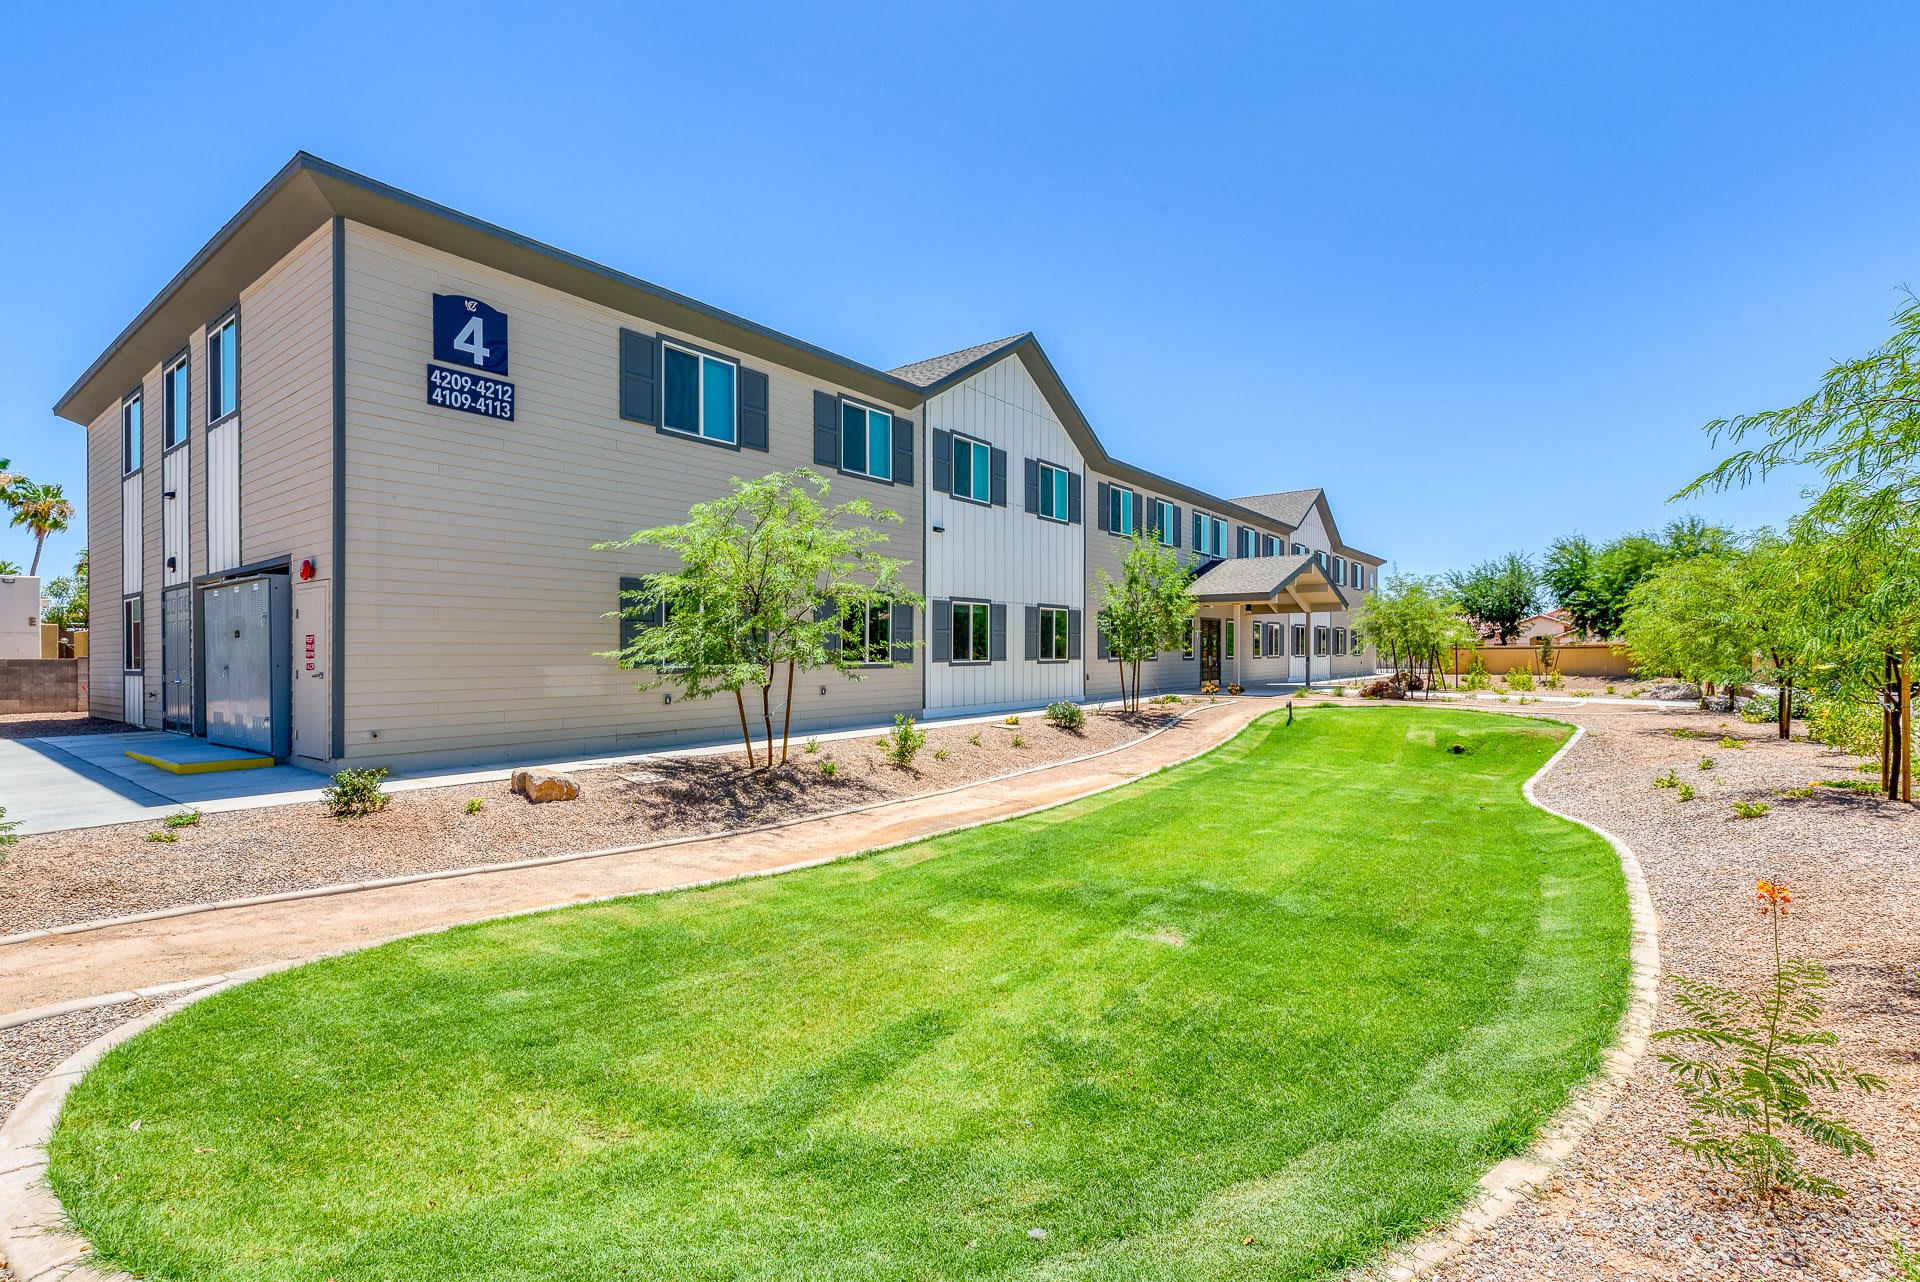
(1239, 598)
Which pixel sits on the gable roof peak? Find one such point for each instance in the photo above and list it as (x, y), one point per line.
(936, 369)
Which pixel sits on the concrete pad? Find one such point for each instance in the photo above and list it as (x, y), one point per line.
(180, 754)
(62, 782)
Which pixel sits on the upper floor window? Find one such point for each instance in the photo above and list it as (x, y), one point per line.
(866, 441)
(697, 393)
(1053, 492)
(1166, 522)
(1209, 535)
(131, 423)
(1249, 541)
(1299, 549)
(867, 631)
(174, 384)
(1340, 570)
(1271, 545)
(1120, 513)
(223, 369)
(972, 471)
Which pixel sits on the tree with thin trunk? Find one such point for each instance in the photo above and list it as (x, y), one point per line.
(43, 509)
(1149, 608)
(771, 583)
(1414, 621)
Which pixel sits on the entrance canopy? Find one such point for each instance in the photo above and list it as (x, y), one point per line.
(1282, 584)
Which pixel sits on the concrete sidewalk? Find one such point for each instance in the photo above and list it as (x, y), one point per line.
(118, 958)
(61, 782)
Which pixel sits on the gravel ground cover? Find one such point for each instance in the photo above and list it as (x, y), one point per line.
(28, 1052)
(1629, 1205)
(58, 878)
(34, 725)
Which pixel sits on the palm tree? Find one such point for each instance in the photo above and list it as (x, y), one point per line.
(43, 509)
(10, 567)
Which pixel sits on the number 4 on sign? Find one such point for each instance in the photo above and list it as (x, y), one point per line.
(473, 340)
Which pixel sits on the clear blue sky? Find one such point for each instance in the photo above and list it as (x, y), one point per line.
(1481, 271)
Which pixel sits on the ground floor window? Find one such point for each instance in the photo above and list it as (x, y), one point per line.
(1226, 639)
(1186, 645)
(133, 635)
(970, 640)
(867, 632)
(1320, 641)
(1259, 630)
(1339, 640)
(1299, 638)
(1053, 633)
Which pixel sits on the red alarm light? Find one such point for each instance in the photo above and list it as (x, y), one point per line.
(306, 571)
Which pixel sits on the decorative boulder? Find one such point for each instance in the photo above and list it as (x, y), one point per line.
(545, 785)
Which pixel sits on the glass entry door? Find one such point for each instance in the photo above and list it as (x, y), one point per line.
(1209, 649)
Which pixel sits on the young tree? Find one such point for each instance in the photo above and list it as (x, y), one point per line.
(1146, 610)
(768, 578)
(1414, 623)
(67, 596)
(43, 509)
(1499, 593)
(1693, 618)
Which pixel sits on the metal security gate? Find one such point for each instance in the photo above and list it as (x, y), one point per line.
(247, 698)
(176, 659)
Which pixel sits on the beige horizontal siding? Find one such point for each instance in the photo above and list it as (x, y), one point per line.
(474, 602)
(104, 692)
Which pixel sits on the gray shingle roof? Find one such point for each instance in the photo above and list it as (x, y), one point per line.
(1289, 507)
(928, 372)
(1251, 577)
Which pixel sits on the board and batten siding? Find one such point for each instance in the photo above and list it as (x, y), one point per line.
(1005, 554)
(104, 536)
(285, 454)
(1106, 551)
(476, 608)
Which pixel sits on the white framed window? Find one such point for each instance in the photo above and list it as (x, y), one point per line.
(1186, 643)
(971, 642)
(867, 631)
(176, 392)
(1249, 541)
(1259, 631)
(133, 636)
(972, 470)
(697, 395)
(223, 369)
(866, 441)
(1053, 493)
(1270, 545)
(1339, 640)
(1340, 570)
(1299, 638)
(1299, 549)
(1163, 522)
(1120, 513)
(132, 424)
(1209, 535)
(1053, 634)
(1321, 640)
(1226, 639)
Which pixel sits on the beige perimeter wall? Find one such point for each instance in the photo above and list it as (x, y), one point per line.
(1587, 659)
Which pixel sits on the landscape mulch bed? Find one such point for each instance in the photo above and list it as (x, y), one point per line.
(60, 878)
(35, 725)
(1629, 1205)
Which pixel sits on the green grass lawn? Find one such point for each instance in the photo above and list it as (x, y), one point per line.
(1302, 991)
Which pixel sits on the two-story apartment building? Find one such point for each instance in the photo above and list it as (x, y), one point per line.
(347, 468)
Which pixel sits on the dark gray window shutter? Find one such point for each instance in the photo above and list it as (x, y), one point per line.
(1033, 633)
(630, 587)
(1176, 525)
(902, 451)
(753, 410)
(1073, 497)
(1199, 533)
(1101, 501)
(1139, 510)
(1033, 484)
(637, 378)
(996, 632)
(1104, 647)
(942, 462)
(826, 609)
(998, 464)
(1073, 634)
(826, 430)
(902, 633)
(941, 627)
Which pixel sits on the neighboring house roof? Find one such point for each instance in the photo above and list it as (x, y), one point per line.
(939, 369)
(1262, 578)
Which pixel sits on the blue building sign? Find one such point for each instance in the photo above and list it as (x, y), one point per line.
(468, 333)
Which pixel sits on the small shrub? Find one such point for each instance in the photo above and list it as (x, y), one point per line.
(1554, 681)
(939, 754)
(1667, 780)
(475, 805)
(163, 834)
(904, 741)
(1581, 694)
(1728, 741)
(1850, 785)
(7, 834)
(829, 768)
(1013, 720)
(1610, 690)
(1756, 1069)
(1068, 716)
(1519, 679)
(1760, 712)
(1338, 692)
(1019, 741)
(1803, 791)
(1209, 687)
(1527, 699)
(1475, 677)
(1686, 792)
(182, 819)
(1845, 724)
(810, 746)
(356, 792)
(1682, 732)
(1906, 1263)
(1164, 698)
(1706, 763)
(974, 739)
(1749, 809)
(1236, 688)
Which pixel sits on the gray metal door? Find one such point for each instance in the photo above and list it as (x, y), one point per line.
(239, 638)
(176, 658)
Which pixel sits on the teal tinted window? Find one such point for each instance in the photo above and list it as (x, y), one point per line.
(717, 405)
(879, 444)
(680, 398)
(853, 438)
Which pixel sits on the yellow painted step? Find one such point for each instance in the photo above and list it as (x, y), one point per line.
(203, 767)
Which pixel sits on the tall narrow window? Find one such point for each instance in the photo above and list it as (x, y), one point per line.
(1053, 634)
(972, 470)
(1227, 638)
(1299, 638)
(223, 369)
(1259, 630)
(970, 640)
(1163, 519)
(1053, 492)
(698, 396)
(131, 424)
(866, 441)
(1120, 513)
(174, 430)
(133, 635)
